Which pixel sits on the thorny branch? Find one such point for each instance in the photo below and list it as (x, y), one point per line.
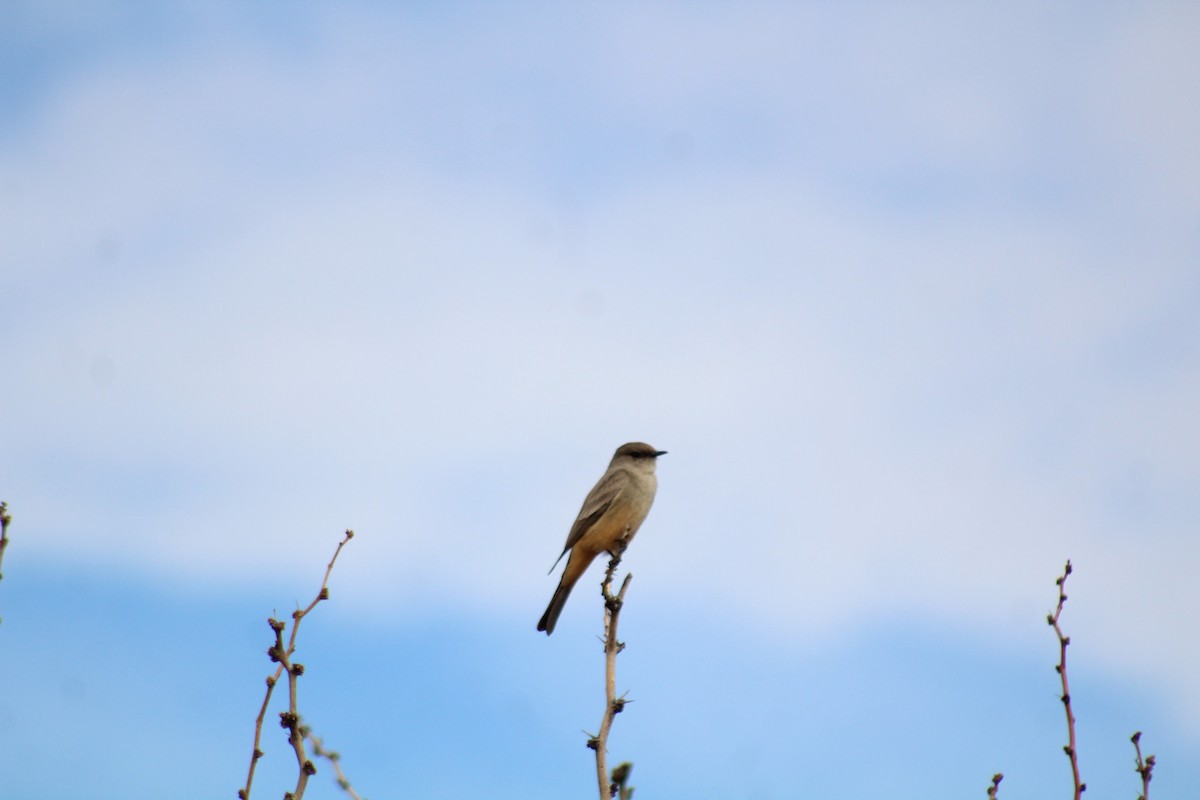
(5, 519)
(1145, 768)
(334, 757)
(1061, 668)
(620, 777)
(290, 719)
(613, 705)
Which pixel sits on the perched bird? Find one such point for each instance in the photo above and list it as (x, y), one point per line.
(612, 513)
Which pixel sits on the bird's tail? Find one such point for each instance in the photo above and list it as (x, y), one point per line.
(550, 618)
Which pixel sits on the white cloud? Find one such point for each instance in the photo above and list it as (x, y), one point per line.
(269, 294)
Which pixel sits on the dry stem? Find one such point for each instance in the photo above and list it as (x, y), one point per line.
(1144, 768)
(620, 777)
(1061, 668)
(290, 719)
(613, 705)
(5, 519)
(335, 758)
(995, 787)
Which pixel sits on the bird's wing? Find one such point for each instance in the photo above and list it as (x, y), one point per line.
(598, 501)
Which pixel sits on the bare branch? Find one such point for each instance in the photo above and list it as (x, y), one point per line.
(334, 758)
(1061, 668)
(290, 719)
(5, 519)
(1145, 768)
(620, 777)
(995, 787)
(613, 705)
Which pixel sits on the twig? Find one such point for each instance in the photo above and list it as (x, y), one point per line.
(620, 777)
(5, 519)
(613, 705)
(1061, 668)
(290, 719)
(244, 793)
(995, 787)
(1144, 768)
(335, 758)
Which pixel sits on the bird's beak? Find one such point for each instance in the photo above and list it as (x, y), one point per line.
(658, 453)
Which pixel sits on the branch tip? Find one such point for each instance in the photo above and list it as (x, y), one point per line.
(290, 720)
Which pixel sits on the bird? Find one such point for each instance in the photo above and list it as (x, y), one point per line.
(611, 514)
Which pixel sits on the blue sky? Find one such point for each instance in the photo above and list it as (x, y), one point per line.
(907, 291)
